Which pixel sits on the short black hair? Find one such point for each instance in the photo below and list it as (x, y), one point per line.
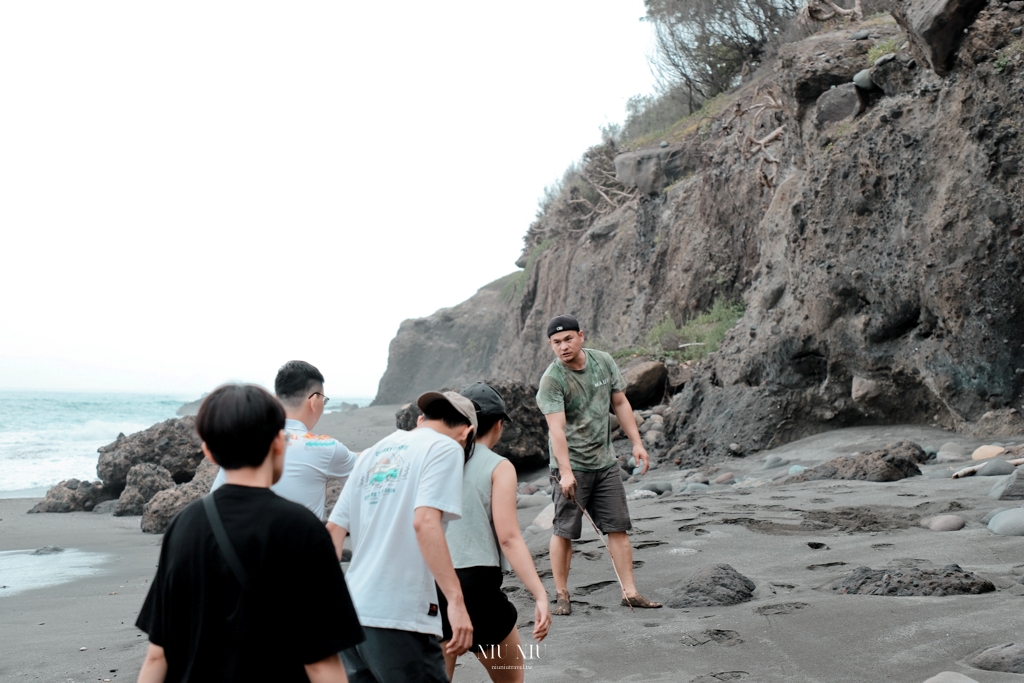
(486, 422)
(238, 422)
(296, 380)
(445, 412)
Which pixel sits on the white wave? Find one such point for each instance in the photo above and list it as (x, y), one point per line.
(22, 570)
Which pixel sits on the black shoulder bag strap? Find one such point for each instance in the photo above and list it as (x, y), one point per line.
(221, 534)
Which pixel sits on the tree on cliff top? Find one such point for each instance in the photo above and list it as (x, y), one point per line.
(703, 45)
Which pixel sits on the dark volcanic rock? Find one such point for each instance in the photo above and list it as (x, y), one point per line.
(144, 481)
(524, 440)
(159, 511)
(645, 383)
(172, 444)
(716, 585)
(1008, 658)
(888, 248)
(936, 27)
(950, 580)
(73, 496)
(839, 104)
(896, 461)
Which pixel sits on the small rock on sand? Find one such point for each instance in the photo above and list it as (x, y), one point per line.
(710, 586)
(988, 518)
(997, 467)
(1008, 523)
(657, 487)
(773, 461)
(1008, 658)
(943, 523)
(1010, 487)
(950, 677)
(546, 517)
(986, 452)
(48, 550)
(640, 494)
(725, 478)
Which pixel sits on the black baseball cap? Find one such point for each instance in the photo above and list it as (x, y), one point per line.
(489, 401)
(562, 323)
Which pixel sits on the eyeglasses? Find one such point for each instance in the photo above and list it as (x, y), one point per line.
(317, 393)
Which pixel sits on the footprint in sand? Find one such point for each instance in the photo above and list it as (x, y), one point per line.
(781, 608)
(591, 587)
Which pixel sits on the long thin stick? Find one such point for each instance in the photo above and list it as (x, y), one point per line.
(609, 549)
(970, 471)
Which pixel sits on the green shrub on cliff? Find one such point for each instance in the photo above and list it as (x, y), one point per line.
(698, 336)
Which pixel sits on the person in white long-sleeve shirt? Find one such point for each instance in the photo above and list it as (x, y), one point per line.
(310, 459)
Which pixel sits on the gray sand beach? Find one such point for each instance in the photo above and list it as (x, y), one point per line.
(796, 627)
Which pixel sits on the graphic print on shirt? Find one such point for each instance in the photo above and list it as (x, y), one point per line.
(390, 468)
(319, 440)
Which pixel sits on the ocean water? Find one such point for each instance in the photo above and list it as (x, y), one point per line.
(46, 437)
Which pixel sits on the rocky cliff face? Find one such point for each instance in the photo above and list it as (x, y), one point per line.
(873, 232)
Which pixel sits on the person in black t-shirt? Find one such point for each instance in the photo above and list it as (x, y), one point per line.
(284, 613)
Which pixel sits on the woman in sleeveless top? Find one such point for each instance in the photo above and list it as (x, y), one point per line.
(486, 541)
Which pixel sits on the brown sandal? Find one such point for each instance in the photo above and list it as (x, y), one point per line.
(562, 605)
(639, 601)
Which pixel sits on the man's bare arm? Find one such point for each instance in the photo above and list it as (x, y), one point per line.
(338, 535)
(327, 670)
(434, 548)
(154, 668)
(624, 411)
(560, 449)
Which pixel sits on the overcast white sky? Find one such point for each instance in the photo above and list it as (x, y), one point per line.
(196, 192)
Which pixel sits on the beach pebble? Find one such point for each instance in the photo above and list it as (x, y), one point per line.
(1010, 487)
(698, 478)
(988, 518)
(725, 478)
(640, 494)
(943, 523)
(546, 517)
(860, 35)
(950, 677)
(986, 452)
(862, 79)
(105, 508)
(796, 469)
(1008, 523)
(696, 487)
(1007, 658)
(527, 489)
(996, 468)
(773, 461)
(542, 482)
(531, 501)
(951, 447)
(658, 487)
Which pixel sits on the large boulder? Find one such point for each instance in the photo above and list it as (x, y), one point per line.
(525, 437)
(896, 461)
(73, 495)
(936, 28)
(172, 444)
(645, 383)
(144, 481)
(651, 170)
(719, 584)
(160, 510)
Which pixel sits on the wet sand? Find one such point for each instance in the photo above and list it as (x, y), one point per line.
(796, 628)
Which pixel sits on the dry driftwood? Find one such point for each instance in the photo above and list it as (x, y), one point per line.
(973, 469)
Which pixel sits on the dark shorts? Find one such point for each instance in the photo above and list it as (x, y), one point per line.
(392, 656)
(492, 614)
(603, 496)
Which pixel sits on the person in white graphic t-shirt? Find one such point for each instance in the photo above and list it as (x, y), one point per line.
(310, 459)
(396, 505)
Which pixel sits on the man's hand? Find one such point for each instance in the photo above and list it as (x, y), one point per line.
(640, 455)
(567, 480)
(462, 629)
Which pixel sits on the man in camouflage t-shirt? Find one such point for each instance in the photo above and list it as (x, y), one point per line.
(576, 393)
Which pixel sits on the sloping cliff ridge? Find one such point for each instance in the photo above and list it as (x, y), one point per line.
(873, 235)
